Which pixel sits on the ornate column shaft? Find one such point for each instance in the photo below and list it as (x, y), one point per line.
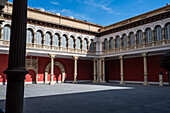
(144, 40)
(121, 70)
(43, 40)
(52, 42)
(1, 35)
(100, 70)
(75, 69)
(103, 67)
(163, 36)
(16, 64)
(153, 37)
(34, 39)
(135, 44)
(145, 68)
(52, 68)
(94, 71)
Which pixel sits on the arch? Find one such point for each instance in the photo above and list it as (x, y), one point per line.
(56, 63)
(91, 44)
(124, 40)
(6, 32)
(139, 37)
(111, 43)
(105, 44)
(64, 41)
(48, 39)
(148, 35)
(118, 41)
(78, 43)
(131, 39)
(56, 39)
(29, 36)
(39, 37)
(85, 44)
(167, 31)
(158, 33)
(71, 42)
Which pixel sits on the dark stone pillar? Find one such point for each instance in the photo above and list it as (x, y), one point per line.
(16, 64)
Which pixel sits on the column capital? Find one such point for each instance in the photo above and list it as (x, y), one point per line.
(94, 59)
(144, 54)
(103, 58)
(52, 55)
(75, 57)
(121, 57)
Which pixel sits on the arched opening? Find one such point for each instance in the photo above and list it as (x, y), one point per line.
(139, 38)
(29, 36)
(158, 33)
(148, 35)
(48, 39)
(6, 32)
(59, 72)
(39, 37)
(124, 40)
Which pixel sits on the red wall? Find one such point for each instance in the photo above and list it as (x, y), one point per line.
(85, 70)
(154, 69)
(133, 69)
(113, 69)
(3, 67)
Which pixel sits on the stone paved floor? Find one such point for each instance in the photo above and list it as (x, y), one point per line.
(94, 98)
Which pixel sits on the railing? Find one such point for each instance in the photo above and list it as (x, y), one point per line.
(45, 47)
(138, 46)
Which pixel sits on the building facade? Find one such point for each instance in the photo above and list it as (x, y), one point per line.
(64, 49)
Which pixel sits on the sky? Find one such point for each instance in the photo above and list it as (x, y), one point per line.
(102, 12)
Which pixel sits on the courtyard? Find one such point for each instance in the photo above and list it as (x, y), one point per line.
(93, 98)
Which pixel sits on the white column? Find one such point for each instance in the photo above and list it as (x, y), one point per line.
(34, 38)
(94, 71)
(103, 75)
(75, 69)
(52, 68)
(46, 74)
(121, 70)
(145, 68)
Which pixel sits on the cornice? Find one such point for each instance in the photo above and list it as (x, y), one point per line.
(136, 23)
(54, 25)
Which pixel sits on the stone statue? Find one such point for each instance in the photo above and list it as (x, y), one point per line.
(165, 63)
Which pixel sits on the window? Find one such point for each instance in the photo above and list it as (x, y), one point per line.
(124, 40)
(39, 37)
(91, 45)
(139, 37)
(6, 32)
(148, 35)
(71, 42)
(78, 43)
(48, 39)
(56, 40)
(111, 43)
(132, 39)
(158, 33)
(29, 36)
(64, 41)
(105, 44)
(167, 31)
(117, 42)
(85, 44)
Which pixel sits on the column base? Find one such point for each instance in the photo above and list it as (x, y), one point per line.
(51, 83)
(121, 82)
(75, 82)
(145, 83)
(94, 81)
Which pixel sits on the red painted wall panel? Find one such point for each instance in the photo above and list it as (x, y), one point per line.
(85, 70)
(154, 69)
(3, 67)
(30, 77)
(113, 69)
(133, 69)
